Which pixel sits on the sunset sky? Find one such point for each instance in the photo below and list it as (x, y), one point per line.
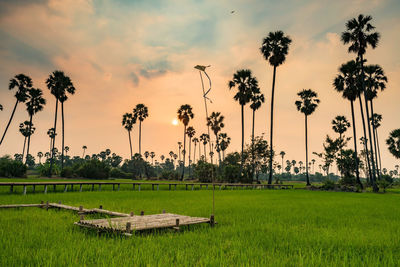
(121, 53)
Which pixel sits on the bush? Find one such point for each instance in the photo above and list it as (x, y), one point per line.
(204, 171)
(94, 169)
(169, 175)
(118, 173)
(11, 168)
(44, 169)
(68, 172)
(328, 185)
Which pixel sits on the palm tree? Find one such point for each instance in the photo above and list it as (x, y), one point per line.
(360, 34)
(205, 138)
(185, 114)
(307, 104)
(22, 83)
(1, 107)
(216, 122)
(313, 163)
(375, 82)
(195, 141)
(128, 120)
(190, 132)
(283, 153)
(274, 48)
(256, 101)
(152, 155)
(179, 150)
(245, 84)
(346, 83)
(84, 149)
(51, 133)
(224, 141)
(393, 143)
(34, 104)
(59, 85)
(162, 157)
(146, 154)
(376, 122)
(66, 150)
(26, 129)
(40, 155)
(340, 125)
(140, 112)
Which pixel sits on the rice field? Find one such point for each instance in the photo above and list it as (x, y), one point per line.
(255, 228)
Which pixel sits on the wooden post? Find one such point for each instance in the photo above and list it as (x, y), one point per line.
(47, 205)
(157, 186)
(142, 213)
(65, 188)
(34, 188)
(72, 187)
(45, 189)
(80, 209)
(118, 186)
(92, 187)
(11, 188)
(80, 187)
(113, 187)
(99, 187)
(139, 187)
(169, 187)
(152, 187)
(163, 211)
(54, 188)
(212, 220)
(175, 186)
(24, 190)
(42, 204)
(82, 217)
(128, 227)
(177, 223)
(131, 214)
(101, 207)
(207, 186)
(192, 187)
(186, 186)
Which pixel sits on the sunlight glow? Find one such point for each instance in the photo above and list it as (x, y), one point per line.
(175, 122)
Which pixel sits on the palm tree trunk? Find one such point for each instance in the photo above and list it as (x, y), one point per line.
(194, 153)
(140, 137)
(374, 136)
(23, 150)
(9, 122)
(190, 151)
(29, 138)
(355, 144)
(365, 139)
(184, 152)
(219, 150)
(272, 128)
(308, 179)
(54, 140)
(379, 150)
(252, 146)
(205, 154)
(130, 143)
(242, 156)
(83, 154)
(62, 122)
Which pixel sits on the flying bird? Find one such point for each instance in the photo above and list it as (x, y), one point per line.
(233, 11)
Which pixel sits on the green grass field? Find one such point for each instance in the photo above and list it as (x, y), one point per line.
(255, 227)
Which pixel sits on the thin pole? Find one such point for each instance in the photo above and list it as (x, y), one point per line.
(208, 129)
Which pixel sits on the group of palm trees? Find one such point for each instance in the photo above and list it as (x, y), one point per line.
(59, 85)
(140, 112)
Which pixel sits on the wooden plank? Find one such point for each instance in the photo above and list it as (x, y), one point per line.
(20, 206)
(112, 213)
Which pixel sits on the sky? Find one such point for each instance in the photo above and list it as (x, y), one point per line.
(121, 53)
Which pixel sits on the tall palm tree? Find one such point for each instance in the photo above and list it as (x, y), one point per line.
(66, 150)
(190, 133)
(26, 129)
(162, 157)
(376, 122)
(393, 143)
(375, 81)
(185, 114)
(141, 112)
(346, 83)
(283, 153)
(146, 154)
(313, 163)
(195, 141)
(1, 107)
(224, 141)
(59, 85)
(274, 48)
(22, 83)
(205, 138)
(307, 104)
(216, 122)
(34, 104)
(179, 150)
(84, 149)
(360, 34)
(340, 125)
(128, 120)
(40, 155)
(245, 84)
(51, 133)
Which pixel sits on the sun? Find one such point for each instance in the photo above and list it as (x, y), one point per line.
(175, 122)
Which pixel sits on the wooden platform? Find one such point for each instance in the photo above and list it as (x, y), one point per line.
(130, 224)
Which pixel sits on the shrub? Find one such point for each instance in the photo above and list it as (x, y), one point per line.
(11, 168)
(204, 171)
(328, 185)
(94, 169)
(118, 173)
(231, 173)
(44, 169)
(68, 172)
(169, 175)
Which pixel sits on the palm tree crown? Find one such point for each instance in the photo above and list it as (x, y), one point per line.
(393, 143)
(375, 80)
(308, 102)
(245, 83)
(347, 81)
(128, 120)
(275, 47)
(35, 101)
(360, 34)
(185, 113)
(340, 124)
(141, 112)
(59, 84)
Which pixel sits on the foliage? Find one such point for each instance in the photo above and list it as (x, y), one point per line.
(204, 171)
(45, 168)
(393, 143)
(94, 169)
(11, 168)
(328, 185)
(136, 166)
(169, 174)
(118, 173)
